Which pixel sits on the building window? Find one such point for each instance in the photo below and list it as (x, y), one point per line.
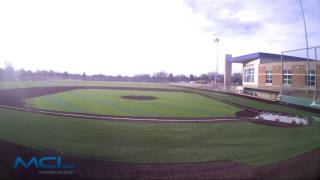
(249, 75)
(312, 78)
(269, 77)
(287, 77)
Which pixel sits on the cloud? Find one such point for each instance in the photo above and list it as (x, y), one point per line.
(271, 22)
(227, 17)
(146, 36)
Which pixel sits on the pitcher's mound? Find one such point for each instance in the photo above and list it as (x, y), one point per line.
(132, 97)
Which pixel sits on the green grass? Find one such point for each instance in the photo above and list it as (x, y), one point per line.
(256, 104)
(49, 83)
(168, 104)
(158, 143)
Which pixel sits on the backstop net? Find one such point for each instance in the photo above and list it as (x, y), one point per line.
(300, 77)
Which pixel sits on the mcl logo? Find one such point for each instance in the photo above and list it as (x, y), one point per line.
(46, 162)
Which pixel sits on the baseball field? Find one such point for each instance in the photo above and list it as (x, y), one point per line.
(148, 128)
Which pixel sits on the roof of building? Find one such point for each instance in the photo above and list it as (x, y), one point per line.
(248, 57)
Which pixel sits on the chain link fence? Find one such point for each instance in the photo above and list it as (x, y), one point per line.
(300, 77)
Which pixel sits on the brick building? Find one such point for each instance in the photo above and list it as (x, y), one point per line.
(262, 75)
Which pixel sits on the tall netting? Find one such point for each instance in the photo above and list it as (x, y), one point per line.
(300, 77)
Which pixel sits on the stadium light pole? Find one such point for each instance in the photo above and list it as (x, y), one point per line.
(307, 45)
(217, 42)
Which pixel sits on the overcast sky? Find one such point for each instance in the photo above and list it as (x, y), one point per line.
(144, 36)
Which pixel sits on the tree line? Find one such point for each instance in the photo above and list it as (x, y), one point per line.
(9, 73)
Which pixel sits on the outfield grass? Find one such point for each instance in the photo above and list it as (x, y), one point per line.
(240, 100)
(158, 143)
(109, 102)
(50, 83)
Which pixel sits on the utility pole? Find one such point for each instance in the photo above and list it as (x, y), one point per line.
(307, 44)
(215, 77)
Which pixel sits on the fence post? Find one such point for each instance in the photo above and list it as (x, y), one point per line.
(281, 84)
(316, 74)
